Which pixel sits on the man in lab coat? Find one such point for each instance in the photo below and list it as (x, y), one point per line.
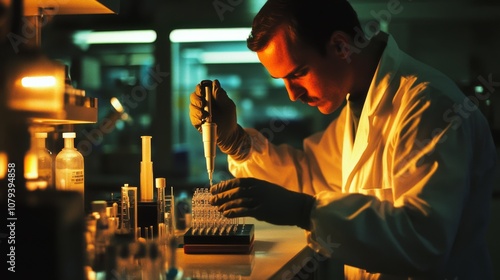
(400, 181)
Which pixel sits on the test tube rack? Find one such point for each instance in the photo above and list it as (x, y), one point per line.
(237, 241)
(212, 233)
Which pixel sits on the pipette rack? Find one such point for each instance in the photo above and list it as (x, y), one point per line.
(238, 240)
(213, 233)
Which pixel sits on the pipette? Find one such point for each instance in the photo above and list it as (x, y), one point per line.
(209, 130)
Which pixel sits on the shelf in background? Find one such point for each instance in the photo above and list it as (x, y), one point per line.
(71, 7)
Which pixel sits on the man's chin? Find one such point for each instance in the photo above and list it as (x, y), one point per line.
(325, 110)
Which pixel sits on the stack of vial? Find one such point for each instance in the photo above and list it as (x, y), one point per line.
(206, 219)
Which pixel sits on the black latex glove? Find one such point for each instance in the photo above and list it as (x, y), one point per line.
(262, 200)
(231, 138)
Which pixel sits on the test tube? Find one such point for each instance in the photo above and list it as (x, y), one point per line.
(194, 212)
(161, 205)
(129, 209)
(113, 220)
(125, 213)
(173, 222)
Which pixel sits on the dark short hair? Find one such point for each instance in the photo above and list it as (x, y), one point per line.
(310, 21)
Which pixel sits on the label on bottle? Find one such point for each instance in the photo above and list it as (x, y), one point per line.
(70, 179)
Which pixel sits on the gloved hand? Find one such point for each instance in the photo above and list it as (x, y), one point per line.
(262, 200)
(231, 138)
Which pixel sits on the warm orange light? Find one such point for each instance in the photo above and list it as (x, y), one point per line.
(36, 185)
(31, 165)
(117, 105)
(38, 82)
(3, 164)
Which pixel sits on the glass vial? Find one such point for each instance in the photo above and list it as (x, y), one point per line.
(69, 166)
(45, 160)
(129, 209)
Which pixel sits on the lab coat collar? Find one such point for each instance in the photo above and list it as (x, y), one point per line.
(355, 146)
(388, 65)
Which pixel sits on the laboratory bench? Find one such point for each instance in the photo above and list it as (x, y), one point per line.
(279, 252)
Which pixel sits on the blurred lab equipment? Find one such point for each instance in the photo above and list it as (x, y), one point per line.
(146, 170)
(129, 210)
(34, 99)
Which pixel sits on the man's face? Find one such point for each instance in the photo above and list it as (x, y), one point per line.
(318, 80)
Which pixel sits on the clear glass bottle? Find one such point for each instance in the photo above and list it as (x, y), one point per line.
(69, 166)
(45, 160)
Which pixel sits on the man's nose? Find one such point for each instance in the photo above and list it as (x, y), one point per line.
(294, 91)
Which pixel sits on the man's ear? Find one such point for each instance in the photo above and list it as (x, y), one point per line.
(340, 44)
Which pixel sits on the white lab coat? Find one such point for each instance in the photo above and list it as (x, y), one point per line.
(409, 195)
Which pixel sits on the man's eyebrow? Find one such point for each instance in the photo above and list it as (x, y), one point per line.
(291, 73)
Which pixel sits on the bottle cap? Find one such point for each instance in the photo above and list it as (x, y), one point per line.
(69, 135)
(160, 182)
